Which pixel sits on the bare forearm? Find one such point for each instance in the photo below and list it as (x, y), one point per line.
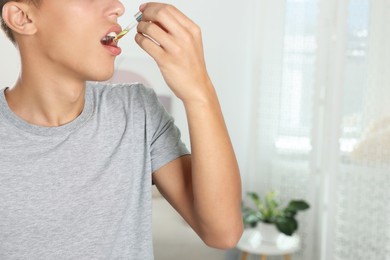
(215, 174)
(207, 190)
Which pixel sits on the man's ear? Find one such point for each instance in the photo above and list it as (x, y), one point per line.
(15, 15)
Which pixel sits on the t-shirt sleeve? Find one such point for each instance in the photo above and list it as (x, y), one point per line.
(165, 138)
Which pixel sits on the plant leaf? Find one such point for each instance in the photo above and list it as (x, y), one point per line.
(250, 219)
(288, 213)
(296, 205)
(256, 199)
(286, 225)
(270, 197)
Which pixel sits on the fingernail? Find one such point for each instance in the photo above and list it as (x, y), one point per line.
(142, 6)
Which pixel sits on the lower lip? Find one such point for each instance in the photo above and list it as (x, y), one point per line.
(113, 50)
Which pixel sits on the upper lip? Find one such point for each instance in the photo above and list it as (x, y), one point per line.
(116, 28)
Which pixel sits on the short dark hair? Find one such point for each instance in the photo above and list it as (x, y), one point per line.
(8, 32)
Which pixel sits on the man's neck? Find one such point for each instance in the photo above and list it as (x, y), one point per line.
(47, 103)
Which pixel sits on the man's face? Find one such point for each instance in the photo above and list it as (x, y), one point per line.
(69, 34)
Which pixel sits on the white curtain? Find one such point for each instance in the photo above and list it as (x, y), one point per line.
(321, 121)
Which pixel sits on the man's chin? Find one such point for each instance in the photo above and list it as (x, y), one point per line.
(103, 77)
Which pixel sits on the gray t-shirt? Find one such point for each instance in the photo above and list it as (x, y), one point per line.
(83, 190)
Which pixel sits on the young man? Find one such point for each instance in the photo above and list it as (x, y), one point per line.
(78, 159)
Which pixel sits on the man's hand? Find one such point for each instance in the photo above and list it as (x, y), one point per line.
(177, 49)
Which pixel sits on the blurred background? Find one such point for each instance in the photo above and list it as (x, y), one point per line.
(304, 86)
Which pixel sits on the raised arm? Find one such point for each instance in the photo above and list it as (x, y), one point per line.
(205, 188)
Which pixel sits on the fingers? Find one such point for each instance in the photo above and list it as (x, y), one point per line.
(150, 46)
(168, 17)
(175, 43)
(163, 27)
(155, 33)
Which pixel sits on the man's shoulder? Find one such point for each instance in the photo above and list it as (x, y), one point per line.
(125, 95)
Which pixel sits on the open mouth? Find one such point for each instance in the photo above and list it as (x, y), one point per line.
(110, 39)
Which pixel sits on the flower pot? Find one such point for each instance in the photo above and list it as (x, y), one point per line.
(269, 232)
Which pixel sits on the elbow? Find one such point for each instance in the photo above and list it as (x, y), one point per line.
(226, 239)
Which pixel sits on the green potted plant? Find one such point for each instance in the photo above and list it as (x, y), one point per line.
(271, 214)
